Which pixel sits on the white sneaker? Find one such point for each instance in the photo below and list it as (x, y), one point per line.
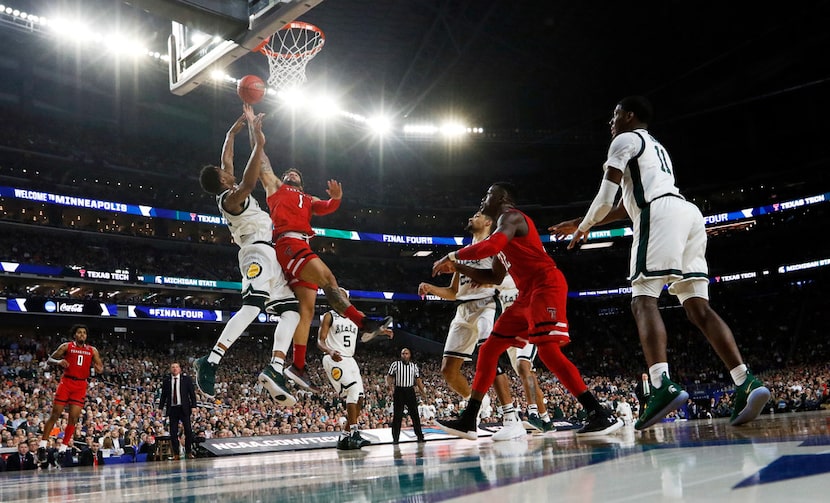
(485, 410)
(509, 431)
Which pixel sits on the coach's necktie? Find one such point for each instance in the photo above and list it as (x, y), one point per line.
(176, 390)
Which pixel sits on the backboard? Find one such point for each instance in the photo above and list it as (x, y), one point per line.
(209, 35)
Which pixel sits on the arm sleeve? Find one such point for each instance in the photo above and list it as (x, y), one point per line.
(325, 207)
(483, 249)
(602, 204)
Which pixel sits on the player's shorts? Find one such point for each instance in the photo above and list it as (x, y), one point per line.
(345, 377)
(669, 248)
(472, 324)
(516, 355)
(263, 282)
(71, 392)
(539, 314)
(293, 255)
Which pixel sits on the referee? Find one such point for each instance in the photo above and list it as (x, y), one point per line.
(402, 378)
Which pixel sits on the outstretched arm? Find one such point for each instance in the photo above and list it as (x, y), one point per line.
(227, 147)
(510, 224)
(601, 207)
(249, 177)
(445, 292)
(270, 181)
(335, 192)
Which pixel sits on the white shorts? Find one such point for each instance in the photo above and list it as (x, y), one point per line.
(669, 248)
(516, 355)
(472, 324)
(263, 282)
(345, 377)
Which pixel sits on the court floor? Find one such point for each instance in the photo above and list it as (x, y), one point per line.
(776, 458)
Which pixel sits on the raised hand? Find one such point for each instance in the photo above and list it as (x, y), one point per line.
(335, 189)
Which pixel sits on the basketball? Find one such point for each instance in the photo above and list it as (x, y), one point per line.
(251, 89)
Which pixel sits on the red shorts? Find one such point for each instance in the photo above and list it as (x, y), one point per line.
(293, 255)
(71, 392)
(539, 315)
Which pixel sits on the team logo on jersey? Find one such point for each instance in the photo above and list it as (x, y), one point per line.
(336, 373)
(552, 311)
(254, 270)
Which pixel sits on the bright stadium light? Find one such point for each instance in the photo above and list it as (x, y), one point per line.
(323, 107)
(420, 129)
(293, 97)
(453, 129)
(379, 125)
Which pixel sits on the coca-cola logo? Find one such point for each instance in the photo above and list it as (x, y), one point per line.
(64, 307)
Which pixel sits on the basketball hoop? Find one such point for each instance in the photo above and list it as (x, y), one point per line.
(288, 51)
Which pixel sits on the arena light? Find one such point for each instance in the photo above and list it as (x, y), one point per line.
(324, 107)
(379, 124)
(452, 129)
(73, 29)
(293, 97)
(420, 129)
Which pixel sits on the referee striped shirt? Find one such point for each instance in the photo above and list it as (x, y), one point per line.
(405, 374)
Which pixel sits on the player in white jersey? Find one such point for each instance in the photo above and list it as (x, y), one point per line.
(521, 359)
(474, 317)
(264, 288)
(337, 339)
(669, 248)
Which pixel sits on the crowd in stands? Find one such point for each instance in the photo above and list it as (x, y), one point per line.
(122, 412)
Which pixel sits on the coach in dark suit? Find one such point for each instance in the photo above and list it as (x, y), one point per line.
(91, 456)
(178, 396)
(22, 460)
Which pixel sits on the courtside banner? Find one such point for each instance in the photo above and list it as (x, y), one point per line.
(322, 440)
(274, 443)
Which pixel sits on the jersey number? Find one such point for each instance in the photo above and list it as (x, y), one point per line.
(81, 360)
(664, 163)
(301, 200)
(347, 341)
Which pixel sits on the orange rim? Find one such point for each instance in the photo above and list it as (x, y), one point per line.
(297, 25)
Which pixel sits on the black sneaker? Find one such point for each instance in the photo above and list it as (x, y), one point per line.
(274, 383)
(459, 427)
(599, 424)
(361, 442)
(348, 443)
(373, 328)
(301, 379)
(41, 455)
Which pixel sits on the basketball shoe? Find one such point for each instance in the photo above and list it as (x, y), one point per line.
(464, 426)
(301, 379)
(274, 382)
(750, 398)
(534, 422)
(510, 429)
(205, 375)
(661, 401)
(600, 423)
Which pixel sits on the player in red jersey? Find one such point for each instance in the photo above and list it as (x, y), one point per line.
(76, 358)
(291, 211)
(538, 315)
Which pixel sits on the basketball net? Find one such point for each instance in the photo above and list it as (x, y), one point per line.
(288, 51)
